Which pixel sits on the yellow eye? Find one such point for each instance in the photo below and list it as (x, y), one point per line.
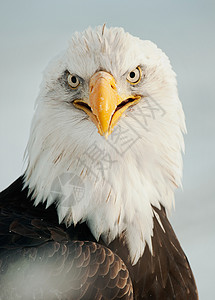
(73, 81)
(134, 76)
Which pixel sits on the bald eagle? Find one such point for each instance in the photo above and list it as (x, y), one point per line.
(88, 218)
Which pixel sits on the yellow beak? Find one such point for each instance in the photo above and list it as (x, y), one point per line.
(105, 105)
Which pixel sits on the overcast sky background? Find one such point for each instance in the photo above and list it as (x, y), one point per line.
(32, 32)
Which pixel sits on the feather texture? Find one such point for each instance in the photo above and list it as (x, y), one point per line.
(69, 264)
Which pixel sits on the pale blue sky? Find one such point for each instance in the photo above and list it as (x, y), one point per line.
(32, 32)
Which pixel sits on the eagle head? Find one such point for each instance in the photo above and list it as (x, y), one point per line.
(107, 134)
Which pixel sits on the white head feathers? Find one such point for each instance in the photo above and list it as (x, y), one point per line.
(111, 184)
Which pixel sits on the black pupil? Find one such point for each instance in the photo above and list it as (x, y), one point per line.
(74, 79)
(132, 74)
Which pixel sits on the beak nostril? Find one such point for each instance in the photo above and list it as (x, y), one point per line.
(113, 87)
(91, 89)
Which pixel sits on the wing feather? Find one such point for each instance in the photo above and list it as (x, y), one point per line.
(80, 265)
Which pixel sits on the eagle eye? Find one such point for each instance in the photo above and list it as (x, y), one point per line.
(73, 81)
(134, 76)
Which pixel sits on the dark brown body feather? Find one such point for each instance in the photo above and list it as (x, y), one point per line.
(78, 266)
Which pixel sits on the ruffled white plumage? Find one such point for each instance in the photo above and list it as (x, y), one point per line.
(146, 174)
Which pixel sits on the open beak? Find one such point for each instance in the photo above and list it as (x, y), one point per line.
(105, 105)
